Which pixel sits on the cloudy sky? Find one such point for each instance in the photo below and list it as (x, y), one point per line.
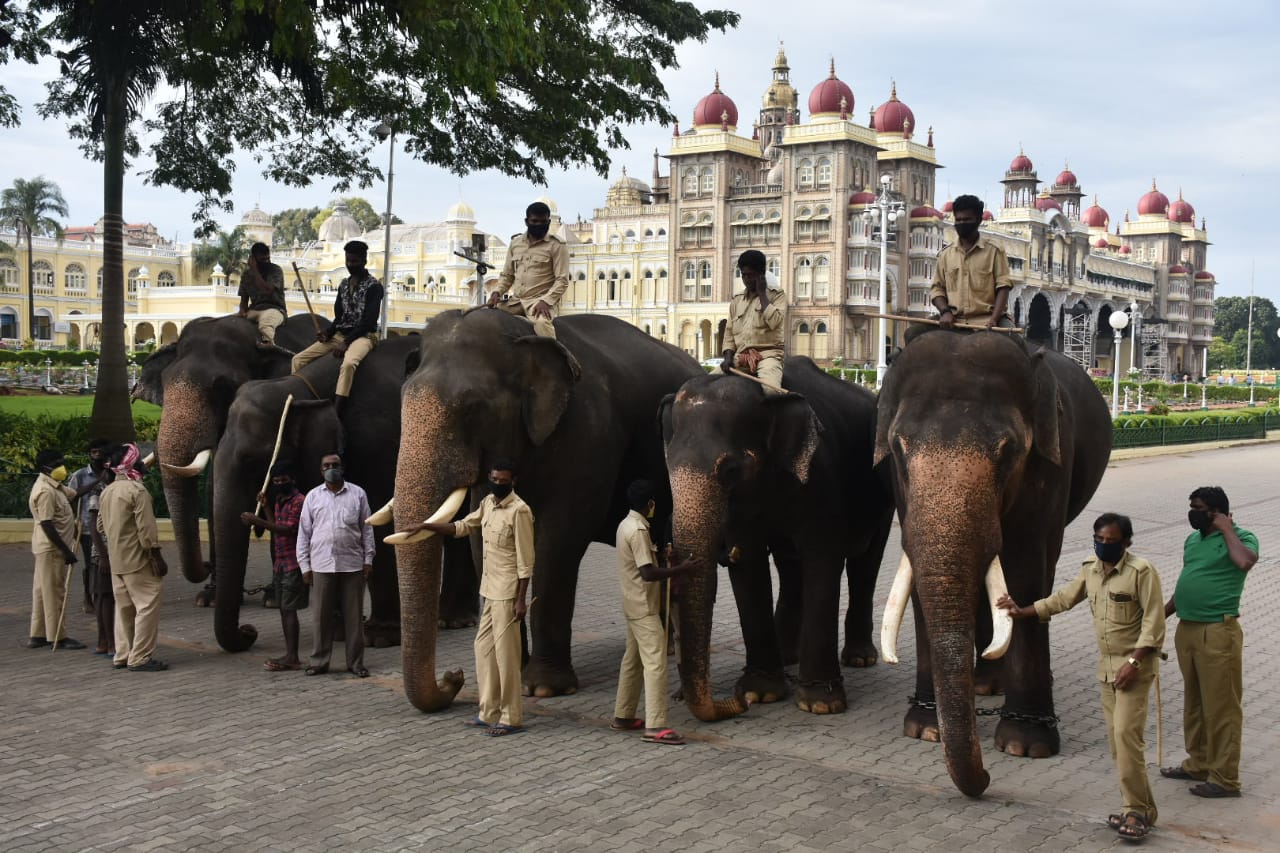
(1184, 92)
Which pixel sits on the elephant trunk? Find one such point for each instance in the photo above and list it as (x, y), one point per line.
(183, 435)
(698, 512)
(233, 553)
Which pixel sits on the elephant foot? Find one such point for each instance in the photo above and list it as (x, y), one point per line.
(205, 597)
(822, 697)
(986, 679)
(544, 679)
(921, 723)
(269, 599)
(859, 653)
(757, 686)
(381, 635)
(454, 624)
(1027, 738)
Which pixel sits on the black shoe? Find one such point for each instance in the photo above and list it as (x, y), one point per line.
(359, 672)
(316, 670)
(1213, 791)
(69, 644)
(151, 665)
(33, 643)
(120, 665)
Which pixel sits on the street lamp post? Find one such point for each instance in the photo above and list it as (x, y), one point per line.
(888, 208)
(84, 382)
(1118, 321)
(48, 365)
(384, 132)
(1135, 340)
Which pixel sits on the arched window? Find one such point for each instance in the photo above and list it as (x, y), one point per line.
(690, 182)
(44, 325)
(662, 232)
(704, 281)
(689, 290)
(132, 285)
(74, 277)
(42, 275)
(9, 274)
(804, 278)
(613, 288)
(820, 341)
(626, 275)
(648, 233)
(774, 266)
(804, 173)
(600, 276)
(821, 278)
(630, 234)
(824, 171)
(708, 180)
(8, 323)
(648, 273)
(166, 279)
(662, 273)
(582, 276)
(800, 340)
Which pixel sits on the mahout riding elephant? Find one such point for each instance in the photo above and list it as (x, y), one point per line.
(575, 415)
(751, 473)
(194, 381)
(993, 448)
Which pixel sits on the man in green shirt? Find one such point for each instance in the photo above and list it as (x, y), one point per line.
(1128, 617)
(1210, 644)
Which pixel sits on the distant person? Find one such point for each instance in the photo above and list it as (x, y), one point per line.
(536, 273)
(86, 482)
(1216, 559)
(262, 293)
(104, 597)
(755, 335)
(971, 281)
(53, 536)
(282, 504)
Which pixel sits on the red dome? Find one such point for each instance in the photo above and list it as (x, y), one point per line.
(716, 109)
(1101, 243)
(831, 97)
(1021, 163)
(947, 206)
(1153, 202)
(988, 216)
(1182, 211)
(862, 198)
(1066, 178)
(1125, 250)
(1178, 269)
(1204, 275)
(1046, 202)
(926, 212)
(893, 116)
(1095, 216)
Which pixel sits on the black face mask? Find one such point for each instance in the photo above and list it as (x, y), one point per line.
(539, 231)
(500, 490)
(1109, 552)
(966, 229)
(1198, 519)
(96, 465)
(280, 491)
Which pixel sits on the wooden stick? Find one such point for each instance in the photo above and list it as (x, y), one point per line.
(516, 619)
(666, 620)
(932, 322)
(768, 385)
(266, 481)
(306, 297)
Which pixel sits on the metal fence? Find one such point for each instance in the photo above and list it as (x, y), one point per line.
(1157, 434)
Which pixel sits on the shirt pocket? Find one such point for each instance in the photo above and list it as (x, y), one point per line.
(1122, 608)
(981, 280)
(499, 534)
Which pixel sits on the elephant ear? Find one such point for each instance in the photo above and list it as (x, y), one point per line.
(885, 405)
(552, 372)
(149, 386)
(273, 361)
(664, 418)
(412, 362)
(793, 438)
(1047, 408)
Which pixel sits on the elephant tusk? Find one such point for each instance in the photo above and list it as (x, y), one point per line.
(894, 609)
(194, 469)
(447, 510)
(149, 459)
(1001, 622)
(382, 516)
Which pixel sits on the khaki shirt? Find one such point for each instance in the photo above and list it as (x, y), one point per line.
(127, 521)
(535, 271)
(1128, 610)
(748, 326)
(48, 502)
(507, 529)
(635, 549)
(969, 280)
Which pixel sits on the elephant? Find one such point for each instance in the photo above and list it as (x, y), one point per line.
(992, 448)
(574, 413)
(753, 472)
(194, 380)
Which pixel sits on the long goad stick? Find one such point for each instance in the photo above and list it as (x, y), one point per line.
(306, 297)
(768, 385)
(266, 481)
(932, 322)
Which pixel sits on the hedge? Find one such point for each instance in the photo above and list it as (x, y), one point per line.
(23, 436)
(61, 358)
(1172, 391)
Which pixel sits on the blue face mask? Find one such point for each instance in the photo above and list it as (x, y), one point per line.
(1109, 552)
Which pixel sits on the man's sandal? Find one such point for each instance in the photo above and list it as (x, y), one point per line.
(665, 736)
(1134, 827)
(630, 725)
(500, 730)
(1176, 772)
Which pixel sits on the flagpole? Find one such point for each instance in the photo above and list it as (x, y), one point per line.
(1248, 351)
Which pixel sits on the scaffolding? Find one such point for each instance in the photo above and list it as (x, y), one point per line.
(1155, 355)
(1077, 338)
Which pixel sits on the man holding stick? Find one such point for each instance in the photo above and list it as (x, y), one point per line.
(262, 293)
(754, 335)
(971, 281)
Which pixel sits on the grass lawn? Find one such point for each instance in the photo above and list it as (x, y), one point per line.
(67, 406)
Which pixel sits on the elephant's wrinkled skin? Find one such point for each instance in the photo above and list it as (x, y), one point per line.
(576, 416)
(993, 450)
(753, 473)
(194, 381)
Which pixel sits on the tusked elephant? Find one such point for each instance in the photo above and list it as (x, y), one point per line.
(194, 381)
(993, 449)
(751, 473)
(576, 416)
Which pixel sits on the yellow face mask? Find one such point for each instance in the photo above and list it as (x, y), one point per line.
(59, 473)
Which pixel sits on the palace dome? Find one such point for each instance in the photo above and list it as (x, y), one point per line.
(1125, 250)
(1204, 275)
(257, 216)
(1101, 243)
(461, 211)
(716, 109)
(948, 206)
(926, 212)
(862, 198)
(893, 116)
(1178, 269)
(1021, 163)
(1154, 202)
(1182, 211)
(1066, 178)
(988, 216)
(340, 226)
(1044, 202)
(1094, 216)
(831, 97)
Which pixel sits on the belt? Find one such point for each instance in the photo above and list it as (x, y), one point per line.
(763, 349)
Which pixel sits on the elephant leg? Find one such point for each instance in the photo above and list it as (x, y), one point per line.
(555, 583)
(921, 720)
(763, 680)
(821, 689)
(1028, 726)
(788, 616)
(206, 596)
(862, 570)
(382, 628)
(460, 589)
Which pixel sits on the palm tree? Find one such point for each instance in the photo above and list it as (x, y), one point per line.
(29, 205)
(228, 248)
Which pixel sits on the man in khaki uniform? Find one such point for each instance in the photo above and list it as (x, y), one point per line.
(1128, 618)
(126, 519)
(536, 272)
(754, 337)
(53, 531)
(645, 659)
(971, 282)
(506, 525)
(262, 293)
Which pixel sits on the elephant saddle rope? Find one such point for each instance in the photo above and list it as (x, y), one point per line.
(749, 359)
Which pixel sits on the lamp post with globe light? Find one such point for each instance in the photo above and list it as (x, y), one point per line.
(889, 208)
(1118, 320)
(385, 131)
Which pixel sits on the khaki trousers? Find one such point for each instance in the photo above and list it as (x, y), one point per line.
(645, 659)
(498, 664)
(137, 615)
(1211, 657)
(48, 589)
(1125, 712)
(542, 326)
(770, 370)
(333, 591)
(356, 351)
(267, 320)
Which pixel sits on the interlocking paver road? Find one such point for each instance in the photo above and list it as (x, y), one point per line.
(217, 754)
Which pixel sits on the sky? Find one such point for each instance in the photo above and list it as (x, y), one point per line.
(1184, 92)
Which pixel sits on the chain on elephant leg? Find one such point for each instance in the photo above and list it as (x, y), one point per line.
(921, 720)
(1027, 734)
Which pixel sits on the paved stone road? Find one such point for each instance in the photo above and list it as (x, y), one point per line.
(217, 754)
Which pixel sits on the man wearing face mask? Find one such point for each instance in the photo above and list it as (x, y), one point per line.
(354, 331)
(536, 272)
(282, 505)
(971, 281)
(87, 482)
(1216, 558)
(52, 535)
(506, 525)
(1128, 617)
(335, 555)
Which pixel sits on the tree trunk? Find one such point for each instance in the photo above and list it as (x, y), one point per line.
(112, 418)
(31, 283)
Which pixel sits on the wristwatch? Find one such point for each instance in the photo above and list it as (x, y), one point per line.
(1135, 663)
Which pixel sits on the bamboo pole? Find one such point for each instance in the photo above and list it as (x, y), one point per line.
(768, 385)
(297, 275)
(932, 322)
(266, 481)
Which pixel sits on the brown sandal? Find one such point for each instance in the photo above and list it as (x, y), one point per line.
(1134, 827)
